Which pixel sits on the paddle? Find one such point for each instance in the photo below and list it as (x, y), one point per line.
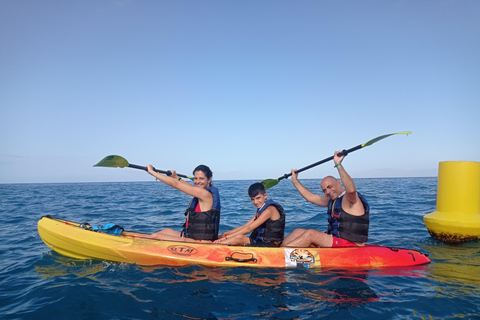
(269, 183)
(114, 161)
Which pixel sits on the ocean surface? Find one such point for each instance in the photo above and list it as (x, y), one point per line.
(37, 283)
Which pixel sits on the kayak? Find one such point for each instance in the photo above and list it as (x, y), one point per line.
(73, 240)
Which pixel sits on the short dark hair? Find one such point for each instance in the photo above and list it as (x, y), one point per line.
(255, 189)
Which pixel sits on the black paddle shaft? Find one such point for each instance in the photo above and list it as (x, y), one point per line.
(168, 173)
(343, 153)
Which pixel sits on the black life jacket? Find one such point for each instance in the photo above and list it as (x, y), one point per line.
(270, 230)
(203, 225)
(343, 225)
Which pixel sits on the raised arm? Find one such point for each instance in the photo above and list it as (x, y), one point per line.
(204, 196)
(317, 199)
(347, 181)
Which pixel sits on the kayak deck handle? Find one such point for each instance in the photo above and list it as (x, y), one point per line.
(241, 257)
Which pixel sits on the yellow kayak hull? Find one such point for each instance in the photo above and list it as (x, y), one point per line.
(68, 239)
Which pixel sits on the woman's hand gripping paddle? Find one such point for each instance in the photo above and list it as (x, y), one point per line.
(114, 161)
(269, 183)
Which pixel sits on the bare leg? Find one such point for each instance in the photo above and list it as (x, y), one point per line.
(166, 234)
(310, 238)
(168, 231)
(239, 240)
(292, 236)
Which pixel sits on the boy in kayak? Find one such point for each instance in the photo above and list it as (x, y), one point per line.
(267, 225)
(348, 213)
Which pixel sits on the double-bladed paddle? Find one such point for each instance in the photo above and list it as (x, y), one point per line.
(114, 161)
(269, 183)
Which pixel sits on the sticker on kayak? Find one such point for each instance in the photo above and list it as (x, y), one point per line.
(182, 250)
(295, 258)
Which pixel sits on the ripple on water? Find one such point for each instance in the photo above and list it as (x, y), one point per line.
(38, 283)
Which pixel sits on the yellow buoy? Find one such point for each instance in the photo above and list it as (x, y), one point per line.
(457, 218)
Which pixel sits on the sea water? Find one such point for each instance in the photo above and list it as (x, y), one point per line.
(37, 283)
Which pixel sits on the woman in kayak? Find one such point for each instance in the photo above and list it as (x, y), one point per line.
(203, 213)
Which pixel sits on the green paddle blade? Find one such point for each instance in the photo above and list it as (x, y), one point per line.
(383, 137)
(269, 183)
(113, 161)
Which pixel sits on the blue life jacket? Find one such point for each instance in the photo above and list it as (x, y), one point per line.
(203, 225)
(343, 225)
(270, 230)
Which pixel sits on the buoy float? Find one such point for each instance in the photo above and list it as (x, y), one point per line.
(457, 218)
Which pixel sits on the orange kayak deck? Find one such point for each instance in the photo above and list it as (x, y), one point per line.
(68, 239)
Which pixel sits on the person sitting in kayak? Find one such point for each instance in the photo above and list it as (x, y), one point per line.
(267, 225)
(348, 212)
(203, 213)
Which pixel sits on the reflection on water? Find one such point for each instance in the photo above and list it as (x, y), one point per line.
(457, 266)
(296, 291)
(287, 289)
(262, 277)
(55, 265)
(330, 287)
(342, 289)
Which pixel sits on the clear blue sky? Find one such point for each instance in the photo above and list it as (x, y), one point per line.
(250, 88)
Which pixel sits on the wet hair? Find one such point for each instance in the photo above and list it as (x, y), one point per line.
(256, 189)
(206, 170)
